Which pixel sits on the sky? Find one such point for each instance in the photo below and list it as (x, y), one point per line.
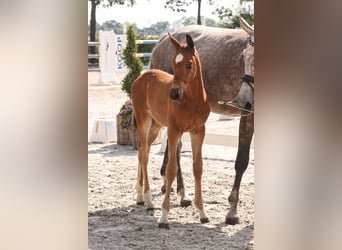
(147, 12)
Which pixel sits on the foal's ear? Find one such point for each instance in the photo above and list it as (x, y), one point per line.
(189, 41)
(175, 43)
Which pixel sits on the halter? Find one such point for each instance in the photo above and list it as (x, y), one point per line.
(250, 41)
(249, 80)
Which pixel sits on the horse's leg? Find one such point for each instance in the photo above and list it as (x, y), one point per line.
(153, 133)
(163, 167)
(170, 174)
(185, 200)
(196, 145)
(143, 187)
(246, 130)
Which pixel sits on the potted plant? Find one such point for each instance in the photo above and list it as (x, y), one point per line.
(126, 122)
(125, 118)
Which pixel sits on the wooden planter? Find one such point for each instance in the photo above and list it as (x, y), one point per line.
(133, 134)
(122, 133)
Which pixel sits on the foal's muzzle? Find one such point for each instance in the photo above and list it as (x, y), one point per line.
(176, 94)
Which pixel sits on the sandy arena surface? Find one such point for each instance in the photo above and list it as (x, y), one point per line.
(116, 222)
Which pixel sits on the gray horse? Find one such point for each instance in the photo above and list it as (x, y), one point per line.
(227, 57)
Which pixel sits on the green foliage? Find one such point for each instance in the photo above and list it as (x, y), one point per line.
(120, 2)
(107, 3)
(177, 5)
(229, 17)
(134, 64)
(160, 27)
(189, 20)
(112, 25)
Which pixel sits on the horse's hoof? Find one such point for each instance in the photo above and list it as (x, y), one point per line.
(140, 203)
(185, 202)
(150, 211)
(164, 225)
(232, 220)
(205, 220)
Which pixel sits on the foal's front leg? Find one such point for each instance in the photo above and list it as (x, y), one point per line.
(170, 174)
(185, 200)
(197, 138)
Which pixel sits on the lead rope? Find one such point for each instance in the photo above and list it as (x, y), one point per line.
(232, 105)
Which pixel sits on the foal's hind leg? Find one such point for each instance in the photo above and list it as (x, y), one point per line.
(246, 130)
(185, 200)
(148, 132)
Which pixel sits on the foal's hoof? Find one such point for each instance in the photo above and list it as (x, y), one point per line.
(164, 225)
(140, 203)
(205, 220)
(232, 220)
(185, 202)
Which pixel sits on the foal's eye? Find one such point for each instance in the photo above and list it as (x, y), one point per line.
(189, 65)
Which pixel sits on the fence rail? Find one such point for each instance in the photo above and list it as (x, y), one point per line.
(93, 43)
(146, 41)
(93, 56)
(144, 54)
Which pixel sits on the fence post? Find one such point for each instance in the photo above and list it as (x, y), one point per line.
(111, 64)
(106, 60)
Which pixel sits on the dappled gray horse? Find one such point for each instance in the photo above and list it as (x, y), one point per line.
(227, 57)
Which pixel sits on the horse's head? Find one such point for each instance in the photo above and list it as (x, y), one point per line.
(184, 65)
(245, 98)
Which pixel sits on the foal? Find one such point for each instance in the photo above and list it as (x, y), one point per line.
(180, 103)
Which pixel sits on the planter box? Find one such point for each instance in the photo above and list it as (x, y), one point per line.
(122, 133)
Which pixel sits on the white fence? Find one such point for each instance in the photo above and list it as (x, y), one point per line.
(111, 64)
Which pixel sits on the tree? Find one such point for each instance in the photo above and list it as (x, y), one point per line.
(161, 27)
(112, 25)
(178, 5)
(134, 64)
(230, 16)
(188, 20)
(210, 22)
(105, 3)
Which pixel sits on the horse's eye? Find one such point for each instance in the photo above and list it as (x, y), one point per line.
(189, 65)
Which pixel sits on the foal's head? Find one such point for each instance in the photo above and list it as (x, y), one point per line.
(245, 98)
(184, 65)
